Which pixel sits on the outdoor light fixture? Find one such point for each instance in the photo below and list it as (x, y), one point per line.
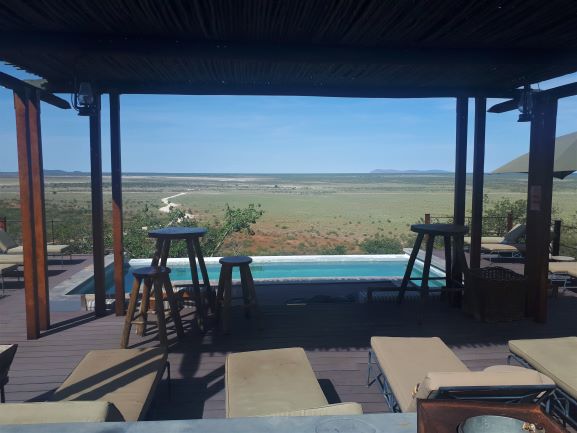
(525, 104)
(84, 100)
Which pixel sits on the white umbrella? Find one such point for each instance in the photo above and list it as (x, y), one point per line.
(565, 158)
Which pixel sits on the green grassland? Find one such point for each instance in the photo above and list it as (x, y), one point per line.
(303, 213)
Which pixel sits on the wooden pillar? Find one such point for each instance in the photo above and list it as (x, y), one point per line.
(26, 105)
(478, 179)
(117, 222)
(539, 199)
(38, 202)
(97, 210)
(460, 174)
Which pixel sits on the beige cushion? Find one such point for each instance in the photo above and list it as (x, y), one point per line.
(405, 361)
(492, 376)
(270, 381)
(486, 240)
(51, 249)
(58, 412)
(569, 268)
(330, 409)
(502, 248)
(554, 357)
(11, 259)
(6, 242)
(125, 377)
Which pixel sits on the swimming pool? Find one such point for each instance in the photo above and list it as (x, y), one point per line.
(287, 269)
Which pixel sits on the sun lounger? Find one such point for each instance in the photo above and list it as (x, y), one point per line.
(409, 369)
(126, 378)
(279, 382)
(568, 268)
(557, 358)
(9, 247)
(7, 352)
(513, 236)
(491, 251)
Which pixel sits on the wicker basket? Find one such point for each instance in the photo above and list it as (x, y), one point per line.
(495, 294)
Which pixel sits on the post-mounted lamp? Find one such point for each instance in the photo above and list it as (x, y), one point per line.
(83, 100)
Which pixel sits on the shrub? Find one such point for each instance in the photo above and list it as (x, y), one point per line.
(379, 244)
(334, 250)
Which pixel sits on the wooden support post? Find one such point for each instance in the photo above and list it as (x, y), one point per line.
(40, 253)
(539, 198)
(427, 218)
(478, 171)
(25, 173)
(117, 220)
(460, 174)
(97, 211)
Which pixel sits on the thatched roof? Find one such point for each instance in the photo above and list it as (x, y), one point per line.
(294, 47)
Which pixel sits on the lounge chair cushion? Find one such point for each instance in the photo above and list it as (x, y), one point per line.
(330, 409)
(569, 268)
(492, 376)
(58, 412)
(51, 249)
(125, 377)
(554, 357)
(486, 240)
(6, 242)
(265, 382)
(406, 361)
(503, 248)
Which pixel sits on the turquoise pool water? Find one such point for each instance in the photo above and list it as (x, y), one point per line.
(295, 270)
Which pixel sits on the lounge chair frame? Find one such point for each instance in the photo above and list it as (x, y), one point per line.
(558, 403)
(381, 379)
(538, 394)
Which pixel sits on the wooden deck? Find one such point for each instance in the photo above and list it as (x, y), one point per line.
(336, 337)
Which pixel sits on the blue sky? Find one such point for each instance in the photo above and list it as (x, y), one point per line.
(238, 134)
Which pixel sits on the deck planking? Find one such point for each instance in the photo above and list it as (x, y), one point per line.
(335, 337)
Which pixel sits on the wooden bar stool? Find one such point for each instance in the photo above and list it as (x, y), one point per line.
(449, 232)
(151, 278)
(191, 235)
(224, 292)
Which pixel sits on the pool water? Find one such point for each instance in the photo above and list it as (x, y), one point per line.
(306, 270)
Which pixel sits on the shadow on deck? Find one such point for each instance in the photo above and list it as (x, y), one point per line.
(335, 336)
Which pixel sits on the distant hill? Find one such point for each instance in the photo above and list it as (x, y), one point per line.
(392, 171)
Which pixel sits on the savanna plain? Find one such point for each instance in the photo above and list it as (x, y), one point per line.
(302, 213)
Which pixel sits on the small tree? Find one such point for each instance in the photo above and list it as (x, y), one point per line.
(235, 220)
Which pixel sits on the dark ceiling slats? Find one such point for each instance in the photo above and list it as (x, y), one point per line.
(354, 24)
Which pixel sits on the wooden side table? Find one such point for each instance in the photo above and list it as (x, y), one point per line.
(443, 416)
(191, 236)
(448, 232)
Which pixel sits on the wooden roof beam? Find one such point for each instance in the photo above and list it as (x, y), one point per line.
(282, 89)
(563, 91)
(17, 85)
(150, 46)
